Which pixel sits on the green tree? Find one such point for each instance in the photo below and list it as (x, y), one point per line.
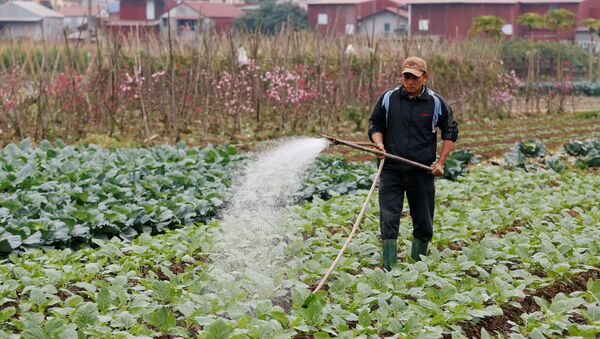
(593, 26)
(490, 25)
(271, 17)
(532, 21)
(555, 20)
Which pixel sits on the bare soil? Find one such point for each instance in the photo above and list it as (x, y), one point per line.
(473, 136)
(499, 324)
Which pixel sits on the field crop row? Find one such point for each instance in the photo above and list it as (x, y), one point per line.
(517, 235)
(62, 195)
(525, 124)
(493, 149)
(500, 235)
(575, 130)
(495, 137)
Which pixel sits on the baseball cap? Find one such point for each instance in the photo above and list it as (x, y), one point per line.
(415, 66)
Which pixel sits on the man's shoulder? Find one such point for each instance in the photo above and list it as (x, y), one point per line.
(390, 90)
(433, 94)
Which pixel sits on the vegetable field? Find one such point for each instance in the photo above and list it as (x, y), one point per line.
(119, 243)
(64, 195)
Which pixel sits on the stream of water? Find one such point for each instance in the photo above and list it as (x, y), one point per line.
(248, 261)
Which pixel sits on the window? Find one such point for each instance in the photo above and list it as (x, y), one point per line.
(386, 27)
(349, 29)
(322, 19)
(187, 25)
(424, 25)
(150, 10)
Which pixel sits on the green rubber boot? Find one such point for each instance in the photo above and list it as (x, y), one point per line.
(419, 247)
(389, 253)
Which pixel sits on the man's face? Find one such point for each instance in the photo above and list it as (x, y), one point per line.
(413, 84)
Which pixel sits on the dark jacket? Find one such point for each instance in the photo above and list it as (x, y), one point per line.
(408, 129)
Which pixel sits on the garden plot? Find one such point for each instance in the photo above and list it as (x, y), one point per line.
(502, 237)
(59, 195)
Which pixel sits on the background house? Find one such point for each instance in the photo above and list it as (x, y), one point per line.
(453, 18)
(76, 17)
(345, 16)
(29, 20)
(390, 20)
(188, 17)
(584, 38)
(139, 16)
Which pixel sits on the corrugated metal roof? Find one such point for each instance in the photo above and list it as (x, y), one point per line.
(507, 2)
(19, 19)
(550, 2)
(26, 11)
(214, 10)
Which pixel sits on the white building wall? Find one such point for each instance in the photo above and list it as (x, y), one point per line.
(72, 23)
(584, 39)
(182, 10)
(52, 29)
(175, 12)
(377, 23)
(22, 30)
(47, 29)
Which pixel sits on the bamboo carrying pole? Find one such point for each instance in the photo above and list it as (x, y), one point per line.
(310, 298)
(387, 155)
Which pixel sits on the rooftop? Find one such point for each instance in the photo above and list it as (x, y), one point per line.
(337, 2)
(214, 10)
(394, 10)
(508, 2)
(78, 11)
(26, 11)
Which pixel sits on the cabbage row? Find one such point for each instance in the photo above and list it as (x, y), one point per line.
(63, 195)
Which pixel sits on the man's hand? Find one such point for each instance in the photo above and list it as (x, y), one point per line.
(381, 148)
(437, 169)
(378, 141)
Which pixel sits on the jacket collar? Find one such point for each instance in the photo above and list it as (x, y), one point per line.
(422, 95)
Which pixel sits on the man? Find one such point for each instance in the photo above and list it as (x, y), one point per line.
(404, 122)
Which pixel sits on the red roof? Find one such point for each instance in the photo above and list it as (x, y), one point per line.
(508, 2)
(398, 11)
(399, 3)
(337, 2)
(394, 10)
(214, 10)
(77, 11)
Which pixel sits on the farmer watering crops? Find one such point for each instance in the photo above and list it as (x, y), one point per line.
(404, 122)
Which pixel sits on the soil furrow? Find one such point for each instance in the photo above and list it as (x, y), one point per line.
(499, 324)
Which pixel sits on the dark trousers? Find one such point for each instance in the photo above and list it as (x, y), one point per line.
(419, 187)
